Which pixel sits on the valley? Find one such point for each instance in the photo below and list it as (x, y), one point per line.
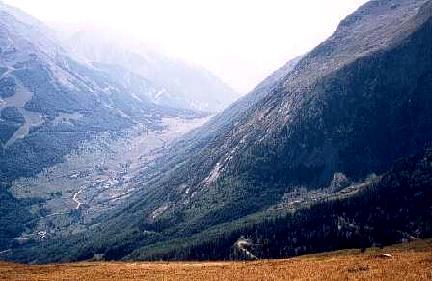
(111, 151)
(94, 178)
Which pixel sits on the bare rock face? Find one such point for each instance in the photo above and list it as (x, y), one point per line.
(384, 256)
(242, 249)
(339, 182)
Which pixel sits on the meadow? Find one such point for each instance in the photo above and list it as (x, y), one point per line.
(409, 261)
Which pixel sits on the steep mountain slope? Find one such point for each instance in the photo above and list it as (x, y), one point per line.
(352, 106)
(178, 84)
(393, 208)
(321, 131)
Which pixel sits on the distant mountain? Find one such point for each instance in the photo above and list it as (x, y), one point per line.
(46, 89)
(51, 102)
(178, 84)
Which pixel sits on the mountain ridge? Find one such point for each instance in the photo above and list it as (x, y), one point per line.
(195, 196)
(179, 84)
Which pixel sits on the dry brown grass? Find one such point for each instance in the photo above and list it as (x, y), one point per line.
(408, 262)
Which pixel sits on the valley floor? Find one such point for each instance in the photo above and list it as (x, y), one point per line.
(411, 261)
(93, 179)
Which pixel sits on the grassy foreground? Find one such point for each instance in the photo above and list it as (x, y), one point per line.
(411, 261)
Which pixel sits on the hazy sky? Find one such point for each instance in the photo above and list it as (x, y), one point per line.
(241, 41)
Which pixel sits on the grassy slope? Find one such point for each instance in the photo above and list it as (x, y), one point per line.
(411, 261)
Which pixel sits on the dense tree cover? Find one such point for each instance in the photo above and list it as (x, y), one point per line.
(12, 114)
(7, 87)
(10, 121)
(398, 208)
(14, 216)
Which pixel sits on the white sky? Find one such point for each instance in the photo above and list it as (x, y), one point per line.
(241, 41)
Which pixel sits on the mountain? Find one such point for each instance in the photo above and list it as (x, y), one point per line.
(336, 113)
(178, 84)
(48, 90)
(309, 161)
(51, 103)
(393, 208)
